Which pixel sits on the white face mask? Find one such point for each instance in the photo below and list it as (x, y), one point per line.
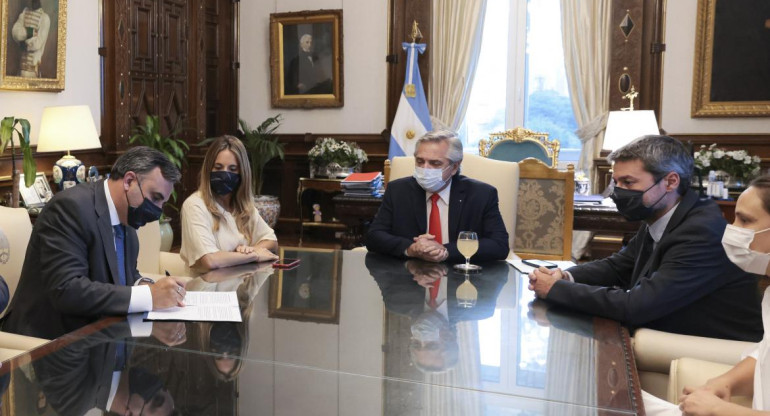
(736, 242)
(431, 180)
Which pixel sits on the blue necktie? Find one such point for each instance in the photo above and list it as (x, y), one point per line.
(120, 248)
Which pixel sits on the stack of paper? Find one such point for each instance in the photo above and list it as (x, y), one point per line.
(202, 306)
(363, 184)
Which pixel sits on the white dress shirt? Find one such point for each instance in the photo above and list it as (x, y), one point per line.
(141, 297)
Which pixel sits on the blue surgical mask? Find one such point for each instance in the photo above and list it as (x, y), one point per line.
(431, 180)
(144, 213)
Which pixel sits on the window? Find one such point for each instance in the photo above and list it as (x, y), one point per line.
(520, 79)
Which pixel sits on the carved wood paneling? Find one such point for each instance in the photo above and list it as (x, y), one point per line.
(402, 14)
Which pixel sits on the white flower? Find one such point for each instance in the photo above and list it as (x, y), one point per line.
(756, 159)
(747, 161)
(706, 163)
(739, 154)
(718, 153)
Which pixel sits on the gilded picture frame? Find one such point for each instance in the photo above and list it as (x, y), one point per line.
(730, 77)
(34, 44)
(311, 290)
(306, 59)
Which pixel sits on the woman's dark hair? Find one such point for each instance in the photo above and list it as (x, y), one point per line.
(762, 184)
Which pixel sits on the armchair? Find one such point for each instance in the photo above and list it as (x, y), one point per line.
(518, 144)
(544, 215)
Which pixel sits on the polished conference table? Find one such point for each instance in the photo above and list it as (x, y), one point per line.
(344, 333)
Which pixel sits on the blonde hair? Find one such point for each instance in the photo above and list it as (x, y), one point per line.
(243, 200)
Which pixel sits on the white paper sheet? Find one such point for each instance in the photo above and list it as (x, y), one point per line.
(202, 306)
(520, 266)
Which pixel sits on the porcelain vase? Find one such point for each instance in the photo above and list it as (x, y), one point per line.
(269, 208)
(166, 234)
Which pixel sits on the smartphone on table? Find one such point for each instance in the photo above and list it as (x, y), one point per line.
(285, 263)
(540, 263)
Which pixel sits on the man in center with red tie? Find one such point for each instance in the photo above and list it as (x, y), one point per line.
(421, 215)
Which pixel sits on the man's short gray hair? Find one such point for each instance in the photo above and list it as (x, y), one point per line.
(660, 155)
(455, 154)
(143, 160)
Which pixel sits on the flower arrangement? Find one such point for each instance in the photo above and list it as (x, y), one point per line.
(328, 150)
(736, 163)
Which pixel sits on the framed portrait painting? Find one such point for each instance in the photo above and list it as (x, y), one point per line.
(33, 40)
(732, 57)
(311, 290)
(306, 59)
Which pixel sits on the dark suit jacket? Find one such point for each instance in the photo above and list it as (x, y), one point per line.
(688, 286)
(473, 206)
(403, 296)
(78, 377)
(70, 273)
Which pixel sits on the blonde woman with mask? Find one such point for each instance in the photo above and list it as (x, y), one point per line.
(747, 244)
(220, 224)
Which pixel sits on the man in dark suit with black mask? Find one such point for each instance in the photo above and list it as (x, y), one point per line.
(81, 259)
(673, 275)
(421, 216)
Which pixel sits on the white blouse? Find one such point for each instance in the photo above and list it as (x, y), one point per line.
(199, 237)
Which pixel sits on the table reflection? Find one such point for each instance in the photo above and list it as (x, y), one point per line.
(372, 335)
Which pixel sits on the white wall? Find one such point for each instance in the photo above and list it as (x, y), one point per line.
(365, 77)
(678, 75)
(82, 79)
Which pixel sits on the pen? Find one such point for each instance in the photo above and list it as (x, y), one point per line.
(167, 273)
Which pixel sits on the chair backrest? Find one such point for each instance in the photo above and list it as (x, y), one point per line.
(518, 144)
(148, 260)
(15, 231)
(545, 211)
(501, 174)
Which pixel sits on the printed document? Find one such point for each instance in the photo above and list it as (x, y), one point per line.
(202, 306)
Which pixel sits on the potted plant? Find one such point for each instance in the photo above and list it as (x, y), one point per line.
(175, 150)
(737, 166)
(335, 158)
(8, 126)
(263, 146)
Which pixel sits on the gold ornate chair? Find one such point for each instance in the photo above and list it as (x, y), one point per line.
(518, 144)
(544, 215)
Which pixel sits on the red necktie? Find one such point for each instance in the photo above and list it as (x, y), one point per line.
(434, 227)
(433, 292)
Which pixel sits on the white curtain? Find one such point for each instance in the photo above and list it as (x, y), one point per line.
(587, 61)
(456, 43)
(586, 39)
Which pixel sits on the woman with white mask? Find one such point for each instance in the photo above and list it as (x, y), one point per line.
(747, 244)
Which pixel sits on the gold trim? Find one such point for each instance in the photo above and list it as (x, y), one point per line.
(702, 106)
(34, 84)
(519, 135)
(277, 81)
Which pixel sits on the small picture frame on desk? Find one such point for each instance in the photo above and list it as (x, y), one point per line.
(37, 195)
(309, 291)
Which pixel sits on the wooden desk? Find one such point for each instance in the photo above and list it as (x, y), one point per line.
(366, 360)
(356, 213)
(329, 187)
(611, 230)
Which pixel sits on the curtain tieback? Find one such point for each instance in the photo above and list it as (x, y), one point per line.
(593, 128)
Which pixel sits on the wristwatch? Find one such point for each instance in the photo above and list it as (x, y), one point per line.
(144, 280)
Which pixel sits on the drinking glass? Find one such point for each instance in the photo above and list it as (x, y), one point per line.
(467, 245)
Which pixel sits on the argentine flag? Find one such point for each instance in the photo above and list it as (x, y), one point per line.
(412, 117)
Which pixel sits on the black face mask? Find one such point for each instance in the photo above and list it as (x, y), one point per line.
(630, 203)
(224, 182)
(143, 383)
(144, 213)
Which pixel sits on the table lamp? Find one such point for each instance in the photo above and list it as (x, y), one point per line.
(625, 126)
(63, 129)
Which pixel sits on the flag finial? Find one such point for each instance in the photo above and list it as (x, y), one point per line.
(416, 34)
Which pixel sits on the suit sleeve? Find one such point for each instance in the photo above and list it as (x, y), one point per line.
(380, 238)
(615, 270)
(691, 268)
(64, 238)
(493, 238)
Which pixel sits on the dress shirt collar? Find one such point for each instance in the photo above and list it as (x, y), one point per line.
(114, 218)
(442, 194)
(658, 227)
